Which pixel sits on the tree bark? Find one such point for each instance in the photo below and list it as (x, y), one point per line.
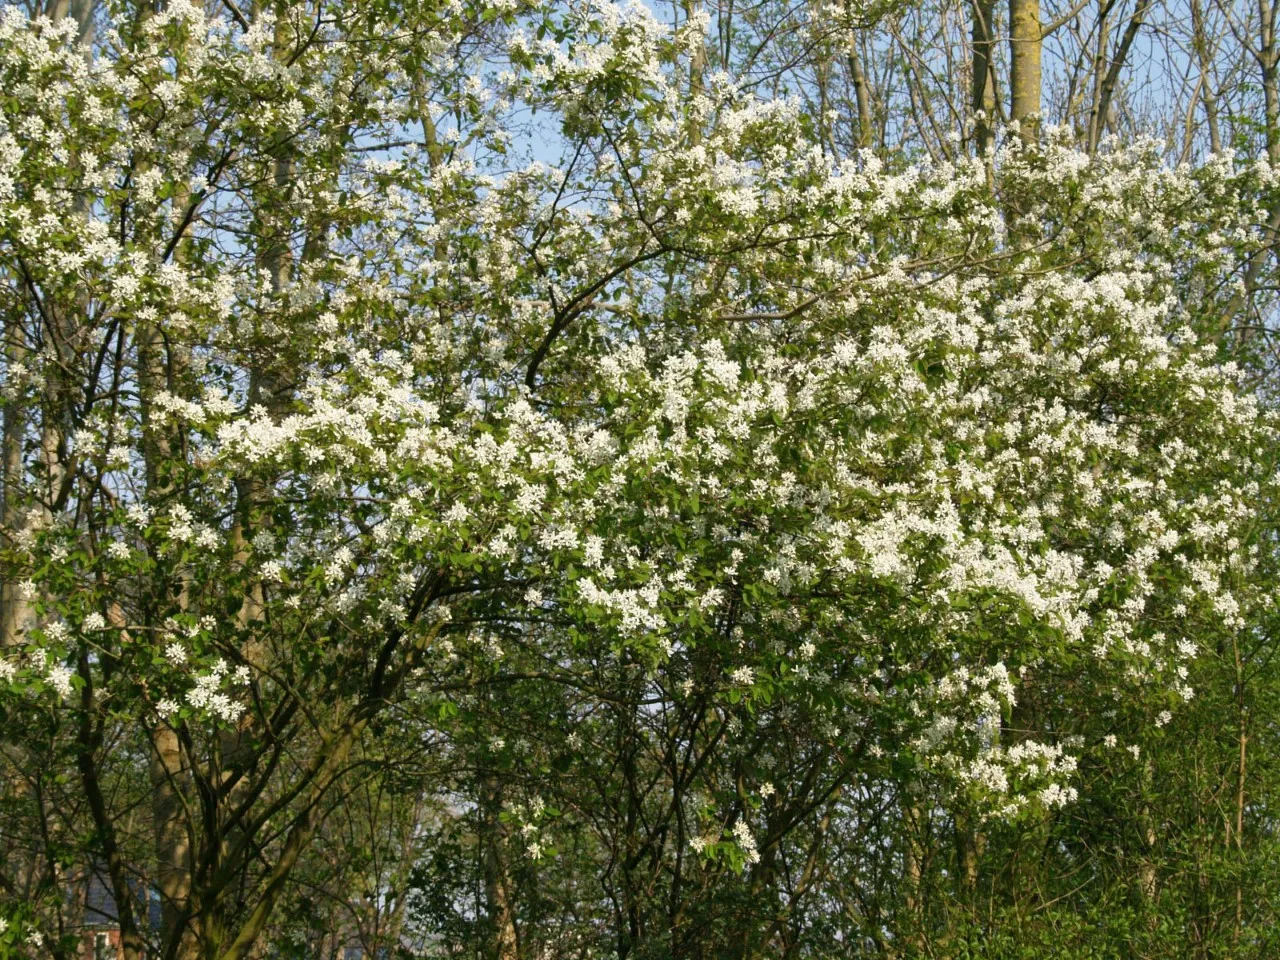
(1106, 89)
(1025, 75)
(982, 95)
(503, 942)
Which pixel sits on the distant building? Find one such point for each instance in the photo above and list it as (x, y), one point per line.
(100, 939)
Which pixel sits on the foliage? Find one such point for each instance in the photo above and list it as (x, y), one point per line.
(651, 554)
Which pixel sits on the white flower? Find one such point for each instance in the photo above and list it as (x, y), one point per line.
(60, 678)
(167, 708)
(766, 790)
(95, 621)
(1055, 795)
(746, 842)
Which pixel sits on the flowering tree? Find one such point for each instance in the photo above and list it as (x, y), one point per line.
(668, 497)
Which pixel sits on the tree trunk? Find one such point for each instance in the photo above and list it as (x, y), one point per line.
(504, 944)
(1268, 60)
(1025, 42)
(982, 97)
(1106, 89)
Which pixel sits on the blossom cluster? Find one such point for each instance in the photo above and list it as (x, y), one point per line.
(825, 441)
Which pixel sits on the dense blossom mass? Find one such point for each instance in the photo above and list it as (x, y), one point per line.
(332, 411)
